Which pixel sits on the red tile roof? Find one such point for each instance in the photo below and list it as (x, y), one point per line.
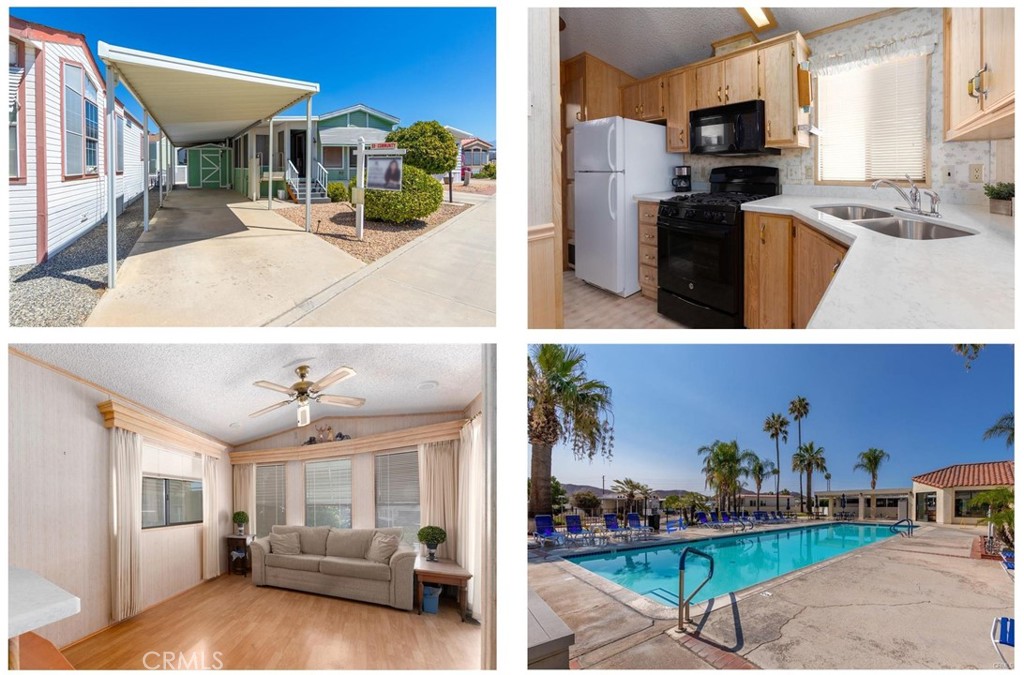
(969, 475)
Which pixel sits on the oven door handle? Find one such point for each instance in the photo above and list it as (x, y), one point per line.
(706, 231)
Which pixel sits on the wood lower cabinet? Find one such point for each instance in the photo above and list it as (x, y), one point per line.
(979, 73)
(768, 271)
(648, 249)
(816, 259)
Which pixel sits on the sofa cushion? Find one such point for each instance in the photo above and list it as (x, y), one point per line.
(382, 547)
(357, 568)
(305, 562)
(312, 540)
(285, 544)
(348, 543)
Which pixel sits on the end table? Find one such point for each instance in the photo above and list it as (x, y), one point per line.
(444, 572)
(239, 543)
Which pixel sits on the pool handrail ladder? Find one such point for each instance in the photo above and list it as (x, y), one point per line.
(684, 600)
(895, 527)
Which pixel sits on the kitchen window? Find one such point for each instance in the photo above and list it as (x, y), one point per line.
(329, 493)
(874, 122)
(170, 501)
(270, 504)
(81, 123)
(397, 478)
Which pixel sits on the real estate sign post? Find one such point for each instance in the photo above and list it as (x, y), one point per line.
(379, 167)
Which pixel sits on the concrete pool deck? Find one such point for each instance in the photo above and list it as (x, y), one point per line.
(916, 602)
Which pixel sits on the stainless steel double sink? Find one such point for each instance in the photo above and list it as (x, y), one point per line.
(890, 223)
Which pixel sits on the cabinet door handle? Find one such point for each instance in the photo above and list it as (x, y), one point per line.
(762, 232)
(974, 89)
(641, 108)
(726, 93)
(719, 94)
(769, 128)
(579, 115)
(835, 268)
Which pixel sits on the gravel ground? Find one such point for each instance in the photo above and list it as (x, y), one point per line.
(480, 186)
(64, 290)
(335, 223)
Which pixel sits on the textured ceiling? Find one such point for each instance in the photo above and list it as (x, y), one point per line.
(208, 387)
(646, 41)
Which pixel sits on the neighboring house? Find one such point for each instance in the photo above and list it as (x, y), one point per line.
(942, 496)
(58, 144)
(475, 153)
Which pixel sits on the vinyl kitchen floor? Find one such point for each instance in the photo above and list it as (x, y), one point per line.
(589, 307)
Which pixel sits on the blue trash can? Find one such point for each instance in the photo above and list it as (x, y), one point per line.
(431, 594)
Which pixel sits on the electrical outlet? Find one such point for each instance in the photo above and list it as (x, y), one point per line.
(977, 173)
(793, 171)
(808, 172)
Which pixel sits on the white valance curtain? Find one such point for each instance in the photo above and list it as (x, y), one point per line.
(472, 512)
(439, 502)
(211, 518)
(243, 491)
(126, 524)
(873, 54)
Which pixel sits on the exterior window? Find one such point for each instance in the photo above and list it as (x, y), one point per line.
(329, 493)
(120, 145)
(270, 504)
(16, 72)
(182, 154)
(352, 159)
(81, 123)
(263, 148)
(397, 479)
(962, 510)
(334, 158)
(154, 155)
(169, 501)
(867, 135)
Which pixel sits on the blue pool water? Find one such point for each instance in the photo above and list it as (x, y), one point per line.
(741, 561)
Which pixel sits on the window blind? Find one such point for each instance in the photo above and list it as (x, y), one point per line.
(397, 478)
(270, 505)
(329, 493)
(874, 122)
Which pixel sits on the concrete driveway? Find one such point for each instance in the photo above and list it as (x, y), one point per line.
(212, 258)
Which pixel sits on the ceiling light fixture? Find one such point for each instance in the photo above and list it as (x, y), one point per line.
(303, 413)
(759, 18)
(235, 425)
(427, 385)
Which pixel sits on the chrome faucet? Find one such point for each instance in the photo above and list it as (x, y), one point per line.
(934, 198)
(912, 197)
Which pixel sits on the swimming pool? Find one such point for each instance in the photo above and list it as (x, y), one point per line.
(741, 561)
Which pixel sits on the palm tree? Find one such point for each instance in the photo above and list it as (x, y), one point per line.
(799, 408)
(969, 352)
(812, 458)
(722, 470)
(828, 481)
(759, 470)
(776, 426)
(647, 494)
(798, 465)
(869, 461)
(629, 488)
(563, 405)
(1002, 427)
(692, 503)
(1000, 516)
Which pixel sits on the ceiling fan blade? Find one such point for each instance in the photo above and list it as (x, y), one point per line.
(270, 407)
(346, 401)
(338, 375)
(273, 387)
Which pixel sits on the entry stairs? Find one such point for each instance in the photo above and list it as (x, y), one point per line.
(297, 185)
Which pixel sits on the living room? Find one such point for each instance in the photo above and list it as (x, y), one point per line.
(167, 513)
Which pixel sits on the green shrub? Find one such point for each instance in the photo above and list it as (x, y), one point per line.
(489, 170)
(337, 191)
(421, 195)
(999, 190)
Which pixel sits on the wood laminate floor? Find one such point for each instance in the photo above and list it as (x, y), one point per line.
(247, 627)
(585, 306)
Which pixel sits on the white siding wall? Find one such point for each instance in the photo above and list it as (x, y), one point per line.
(23, 197)
(134, 178)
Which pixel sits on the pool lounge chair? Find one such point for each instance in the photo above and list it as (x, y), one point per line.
(675, 525)
(702, 520)
(544, 531)
(715, 522)
(1002, 634)
(1008, 567)
(1007, 556)
(742, 519)
(611, 526)
(633, 524)
(576, 533)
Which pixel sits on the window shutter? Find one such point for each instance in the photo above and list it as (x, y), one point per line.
(270, 505)
(874, 122)
(329, 493)
(397, 478)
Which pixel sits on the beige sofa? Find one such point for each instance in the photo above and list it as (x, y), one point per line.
(332, 562)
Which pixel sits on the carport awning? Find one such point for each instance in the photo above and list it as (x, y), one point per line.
(197, 102)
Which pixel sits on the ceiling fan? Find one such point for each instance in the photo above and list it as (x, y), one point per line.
(304, 392)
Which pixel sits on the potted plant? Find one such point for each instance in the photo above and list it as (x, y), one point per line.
(240, 518)
(1000, 198)
(431, 536)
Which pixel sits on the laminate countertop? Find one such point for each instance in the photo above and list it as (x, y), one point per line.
(886, 282)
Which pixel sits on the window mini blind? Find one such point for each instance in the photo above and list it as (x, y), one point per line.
(874, 122)
(270, 505)
(397, 477)
(329, 493)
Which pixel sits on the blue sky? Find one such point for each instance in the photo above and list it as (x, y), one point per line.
(917, 402)
(413, 63)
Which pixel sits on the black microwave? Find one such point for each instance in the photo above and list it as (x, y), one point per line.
(733, 130)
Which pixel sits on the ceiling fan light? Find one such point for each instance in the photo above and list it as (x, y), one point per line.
(303, 414)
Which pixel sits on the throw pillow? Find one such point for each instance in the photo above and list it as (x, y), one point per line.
(285, 544)
(382, 547)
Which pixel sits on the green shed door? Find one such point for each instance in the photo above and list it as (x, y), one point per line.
(205, 167)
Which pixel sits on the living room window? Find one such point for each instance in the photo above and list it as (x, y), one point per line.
(329, 493)
(171, 501)
(270, 504)
(397, 478)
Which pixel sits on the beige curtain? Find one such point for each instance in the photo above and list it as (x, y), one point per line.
(126, 524)
(211, 518)
(469, 553)
(243, 492)
(439, 504)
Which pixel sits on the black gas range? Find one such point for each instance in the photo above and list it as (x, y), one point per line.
(700, 247)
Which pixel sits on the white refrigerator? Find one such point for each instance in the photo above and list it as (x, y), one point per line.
(614, 159)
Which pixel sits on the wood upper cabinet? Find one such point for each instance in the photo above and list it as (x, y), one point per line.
(979, 72)
(644, 100)
(680, 99)
(731, 80)
(590, 89)
(768, 271)
(778, 70)
(816, 259)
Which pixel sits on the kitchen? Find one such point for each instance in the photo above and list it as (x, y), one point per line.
(786, 168)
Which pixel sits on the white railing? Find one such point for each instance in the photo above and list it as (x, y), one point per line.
(321, 176)
(291, 175)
